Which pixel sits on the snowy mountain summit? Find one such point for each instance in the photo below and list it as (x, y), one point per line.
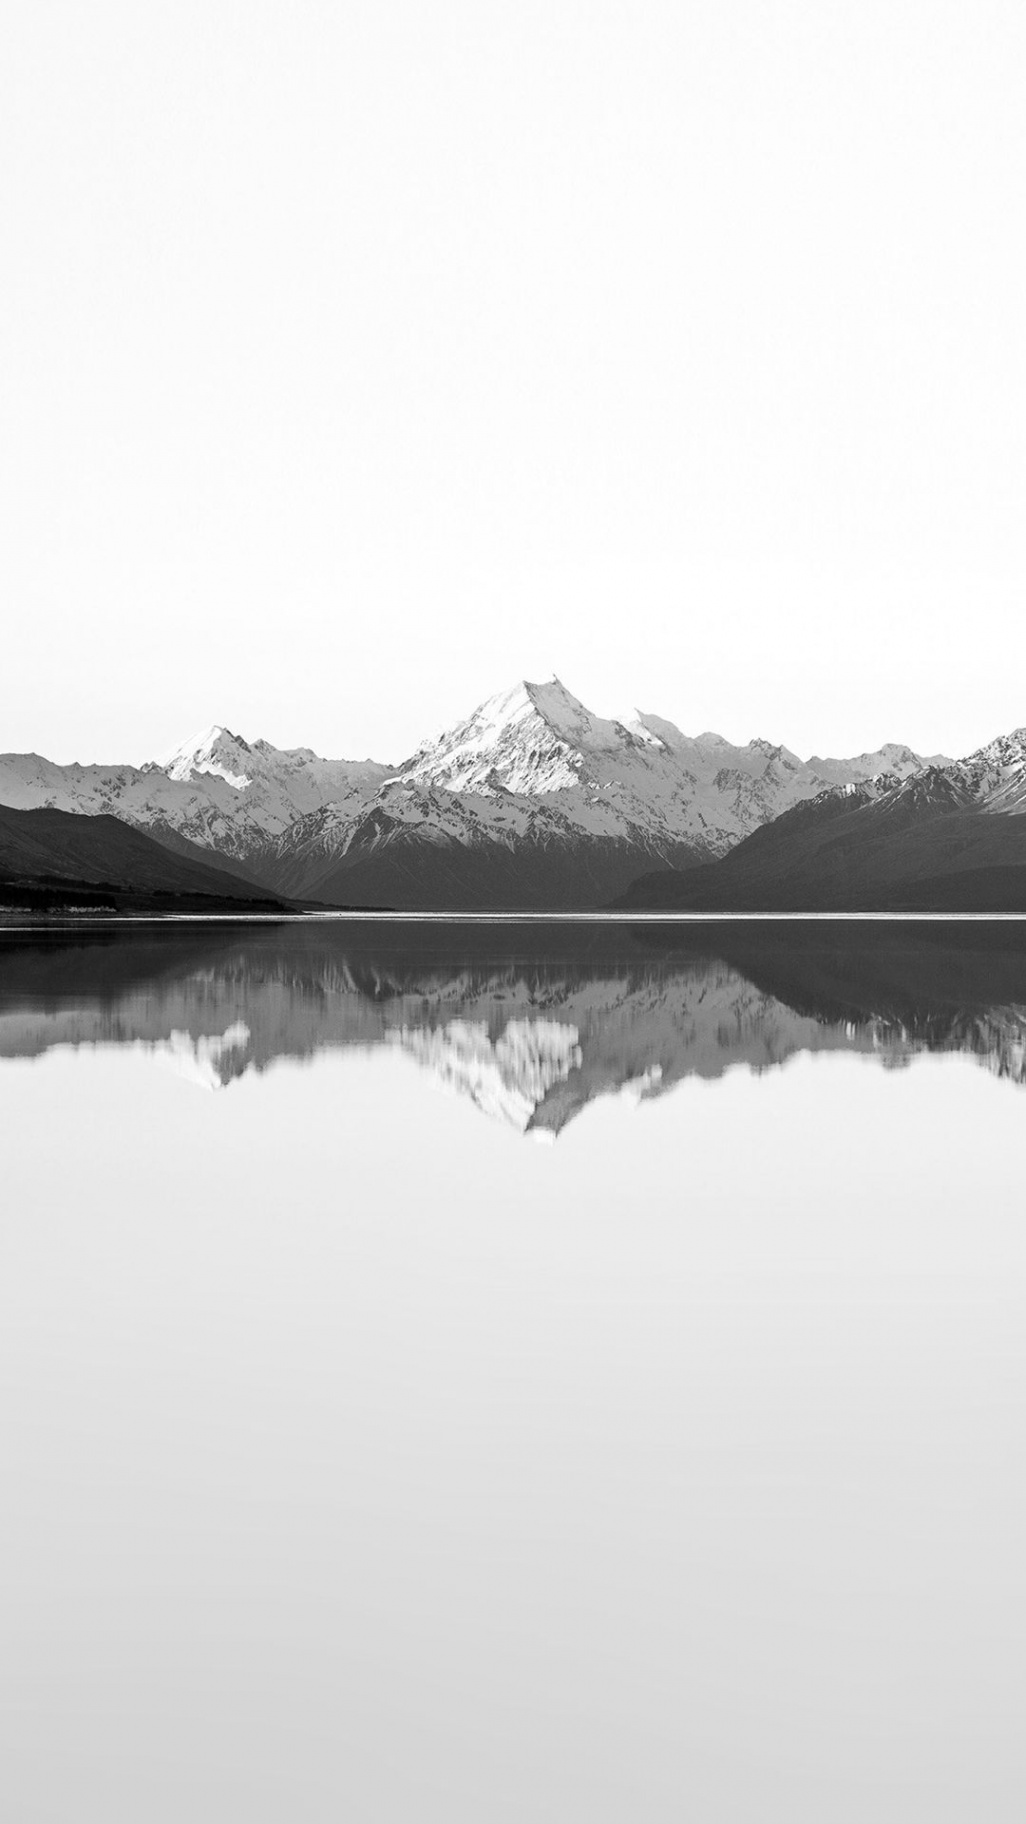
(995, 775)
(534, 739)
(217, 753)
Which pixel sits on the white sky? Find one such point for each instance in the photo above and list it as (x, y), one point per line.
(358, 359)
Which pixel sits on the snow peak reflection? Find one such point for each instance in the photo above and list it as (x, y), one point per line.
(530, 1023)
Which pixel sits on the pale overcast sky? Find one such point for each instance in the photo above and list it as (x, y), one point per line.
(357, 359)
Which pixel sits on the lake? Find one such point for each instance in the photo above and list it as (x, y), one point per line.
(513, 1373)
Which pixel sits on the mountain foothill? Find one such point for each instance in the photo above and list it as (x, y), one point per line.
(533, 803)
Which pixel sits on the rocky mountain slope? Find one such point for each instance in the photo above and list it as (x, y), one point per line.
(951, 837)
(531, 802)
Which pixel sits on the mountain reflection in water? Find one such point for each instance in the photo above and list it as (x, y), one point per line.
(531, 1022)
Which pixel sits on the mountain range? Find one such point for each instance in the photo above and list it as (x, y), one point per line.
(532, 802)
(950, 837)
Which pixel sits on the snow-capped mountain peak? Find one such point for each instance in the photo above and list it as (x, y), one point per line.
(655, 731)
(535, 750)
(567, 717)
(1007, 753)
(531, 739)
(995, 775)
(217, 752)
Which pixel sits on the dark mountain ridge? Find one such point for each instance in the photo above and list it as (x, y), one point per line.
(51, 859)
(941, 840)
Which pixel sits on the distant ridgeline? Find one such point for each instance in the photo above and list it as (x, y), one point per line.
(532, 803)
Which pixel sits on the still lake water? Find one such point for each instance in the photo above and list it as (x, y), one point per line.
(513, 1374)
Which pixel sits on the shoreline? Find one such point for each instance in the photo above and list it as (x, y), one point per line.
(76, 921)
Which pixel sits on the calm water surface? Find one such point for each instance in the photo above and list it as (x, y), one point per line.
(512, 1375)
